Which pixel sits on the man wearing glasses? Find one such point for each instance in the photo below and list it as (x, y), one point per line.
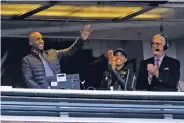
(160, 72)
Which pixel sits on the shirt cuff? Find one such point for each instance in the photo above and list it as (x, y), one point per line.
(149, 80)
(157, 75)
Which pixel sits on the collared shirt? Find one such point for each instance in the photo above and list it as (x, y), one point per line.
(160, 59)
(48, 69)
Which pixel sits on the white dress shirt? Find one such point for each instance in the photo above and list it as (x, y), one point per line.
(160, 60)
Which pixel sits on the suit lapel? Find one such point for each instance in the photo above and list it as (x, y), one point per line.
(163, 63)
(152, 61)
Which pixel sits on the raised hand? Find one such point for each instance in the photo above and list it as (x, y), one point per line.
(111, 59)
(86, 32)
(110, 54)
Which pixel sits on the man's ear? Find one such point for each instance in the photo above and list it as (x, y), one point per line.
(126, 59)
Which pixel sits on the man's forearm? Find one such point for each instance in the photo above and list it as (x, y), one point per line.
(77, 45)
(120, 80)
(31, 84)
(168, 79)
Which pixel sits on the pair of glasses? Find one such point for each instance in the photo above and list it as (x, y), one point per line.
(157, 44)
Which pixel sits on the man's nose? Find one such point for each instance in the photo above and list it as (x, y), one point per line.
(41, 41)
(117, 57)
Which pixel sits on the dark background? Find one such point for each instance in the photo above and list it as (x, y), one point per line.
(89, 67)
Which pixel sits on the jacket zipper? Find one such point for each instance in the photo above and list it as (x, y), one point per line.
(43, 66)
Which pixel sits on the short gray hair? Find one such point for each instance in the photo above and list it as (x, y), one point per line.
(160, 36)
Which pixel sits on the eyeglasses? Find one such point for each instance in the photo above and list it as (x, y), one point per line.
(157, 44)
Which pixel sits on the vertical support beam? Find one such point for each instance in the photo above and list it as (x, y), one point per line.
(4, 58)
(2, 62)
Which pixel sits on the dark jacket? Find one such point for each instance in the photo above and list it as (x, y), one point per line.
(120, 80)
(169, 74)
(32, 67)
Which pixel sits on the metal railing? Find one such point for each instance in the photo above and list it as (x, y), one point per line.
(32, 103)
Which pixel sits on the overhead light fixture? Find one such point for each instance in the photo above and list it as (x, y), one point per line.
(16, 9)
(71, 11)
(148, 16)
(88, 11)
(154, 14)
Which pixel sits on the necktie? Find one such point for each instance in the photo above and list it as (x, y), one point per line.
(157, 62)
(149, 75)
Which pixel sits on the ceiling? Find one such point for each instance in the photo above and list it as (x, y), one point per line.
(110, 20)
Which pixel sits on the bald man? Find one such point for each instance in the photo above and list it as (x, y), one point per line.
(160, 72)
(40, 64)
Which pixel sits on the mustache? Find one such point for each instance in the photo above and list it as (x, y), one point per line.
(155, 48)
